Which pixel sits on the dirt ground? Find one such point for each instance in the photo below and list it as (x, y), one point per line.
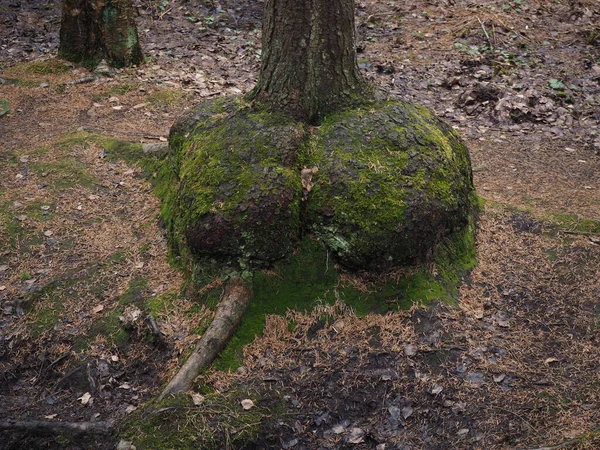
(82, 256)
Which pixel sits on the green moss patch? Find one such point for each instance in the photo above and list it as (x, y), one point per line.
(310, 277)
(109, 324)
(37, 68)
(219, 422)
(166, 97)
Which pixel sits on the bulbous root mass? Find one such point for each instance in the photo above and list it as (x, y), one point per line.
(382, 185)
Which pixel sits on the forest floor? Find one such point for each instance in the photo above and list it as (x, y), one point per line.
(83, 260)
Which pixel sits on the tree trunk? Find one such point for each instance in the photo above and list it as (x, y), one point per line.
(92, 30)
(309, 58)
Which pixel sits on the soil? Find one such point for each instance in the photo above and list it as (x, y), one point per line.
(515, 365)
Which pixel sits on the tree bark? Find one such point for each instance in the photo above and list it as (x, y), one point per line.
(309, 63)
(236, 297)
(92, 30)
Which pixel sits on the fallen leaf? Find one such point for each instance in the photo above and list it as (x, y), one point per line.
(22, 218)
(50, 417)
(93, 197)
(247, 404)
(2, 288)
(407, 411)
(97, 309)
(436, 389)
(114, 358)
(499, 378)
(125, 386)
(197, 399)
(550, 361)
(130, 409)
(410, 349)
(337, 429)
(85, 398)
(357, 435)
(462, 431)
(48, 233)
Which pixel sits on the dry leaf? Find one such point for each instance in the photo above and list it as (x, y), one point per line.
(410, 349)
(85, 398)
(97, 309)
(357, 436)
(130, 409)
(198, 399)
(247, 404)
(499, 378)
(550, 361)
(50, 417)
(436, 389)
(48, 233)
(114, 358)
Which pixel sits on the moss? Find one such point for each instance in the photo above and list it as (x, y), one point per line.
(19, 237)
(64, 173)
(392, 182)
(310, 277)
(227, 426)
(120, 90)
(40, 67)
(234, 186)
(109, 324)
(23, 82)
(166, 97)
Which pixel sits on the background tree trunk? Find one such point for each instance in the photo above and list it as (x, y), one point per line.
(309, 58)
(92, 30)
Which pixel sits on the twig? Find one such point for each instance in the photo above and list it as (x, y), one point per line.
(80, 81)
(57, 427)
(487, 36)
(155, 330)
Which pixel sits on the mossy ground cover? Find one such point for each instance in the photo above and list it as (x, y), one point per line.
(219, 422)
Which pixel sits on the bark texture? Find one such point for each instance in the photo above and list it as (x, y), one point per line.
(236, 298)
(309, 63)
(92, 30)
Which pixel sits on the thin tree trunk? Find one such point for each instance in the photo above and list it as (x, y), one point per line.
(233, 304)
(92, 30)
(309, 63)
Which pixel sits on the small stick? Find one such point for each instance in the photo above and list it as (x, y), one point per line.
(487, 36)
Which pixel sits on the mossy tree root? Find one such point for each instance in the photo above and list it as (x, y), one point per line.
(236, 297)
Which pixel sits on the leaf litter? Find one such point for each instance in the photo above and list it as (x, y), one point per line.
(517, 79)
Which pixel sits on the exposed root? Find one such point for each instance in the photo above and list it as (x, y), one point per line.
(235, 299)
(57, 427)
